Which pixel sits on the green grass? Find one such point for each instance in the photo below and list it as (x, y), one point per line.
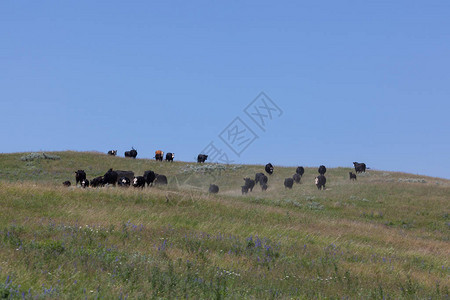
(384, 236)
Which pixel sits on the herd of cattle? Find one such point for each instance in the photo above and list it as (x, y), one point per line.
(150, 178)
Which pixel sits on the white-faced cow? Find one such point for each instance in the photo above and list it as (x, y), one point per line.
(269, 168)
(139, 181)
(320, 182)
(85, 183)
(170, 156)
(80, 175)
(112, 152)
(124, 181)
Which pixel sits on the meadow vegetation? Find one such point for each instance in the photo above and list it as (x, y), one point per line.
(385, 236)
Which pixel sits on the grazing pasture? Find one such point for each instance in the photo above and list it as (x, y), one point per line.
(385, 235)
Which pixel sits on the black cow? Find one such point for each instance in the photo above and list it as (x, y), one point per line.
(112, 152)
(322, 170)
(124, 181)
(160, 179)
(127, 174)
(110, 177)
(97, 181)
(213, 189)
(85, 183)
(170, 156)
(244, 189)
(139, 182)
(261, 178)
(132, 153)
(359, 167)
(288, 183)
(80, 175)
(67, 183)
(269, 168)
(300, 171)
(250, 183)
(201, 158)
(352, 176)
(149, 176)
(264, 187)
(297, 178)
(320, 182)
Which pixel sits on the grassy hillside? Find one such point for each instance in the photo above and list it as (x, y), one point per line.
(384, 236)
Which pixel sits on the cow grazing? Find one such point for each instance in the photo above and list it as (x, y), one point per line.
(288, 183)
(269, 168)
(80, 175)
(322, 170)
(250, 183)
(124, 181)
(132, 153)
(149, 177)
(159, 155)
(300, 171)
(261, 178)
(85, 183)
(170, 156)
(112, 152)
(264, 187)
(139, 181)
(213, 189)
(67, 183)
(297, 178)
(110, 177)
(201, 158)
(320, 182)
(160, 179)
(352, 176)
(359, 167)
(244, 189)
(97, 181)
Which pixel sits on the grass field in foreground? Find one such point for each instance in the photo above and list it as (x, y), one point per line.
(384, 236)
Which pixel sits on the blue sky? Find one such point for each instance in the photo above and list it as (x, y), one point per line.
(355, 81)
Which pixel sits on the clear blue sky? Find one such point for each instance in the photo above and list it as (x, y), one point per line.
(365, 81)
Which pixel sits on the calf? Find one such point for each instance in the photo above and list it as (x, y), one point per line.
(159, 155)
(322, 170)
(139, 182)
(112, 152)
(359, 167)
(352, 176)
(269, 168)
(67, 183)
(288, 183)
(300, 171)
(201, 158)
(213, 189)
(320, 182)
(85, 183)
(97, 181)
(124, 181)
(80, 175)
(250, 183)
(170, 156)
(297, 178)
(160, 179)
(244, 189)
